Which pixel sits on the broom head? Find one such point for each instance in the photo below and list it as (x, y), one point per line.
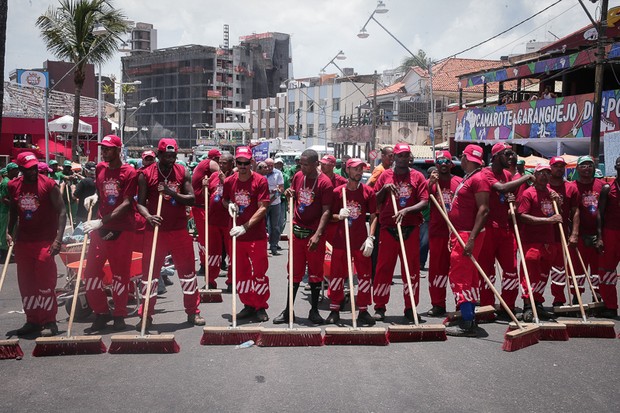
(367, 336)
(290, 337)
(413, 333)
(68, 346)
(229, 335)
(210, 296)
(10, 349)
(524, 337)
(548, 331)
(563, 309)
(591, 329)
(137, 344)
(484, 313)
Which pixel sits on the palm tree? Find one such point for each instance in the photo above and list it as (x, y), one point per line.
(68, 34)
(420, 59)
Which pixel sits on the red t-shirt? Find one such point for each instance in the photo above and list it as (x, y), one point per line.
(464, 207)
(113, 186)
(437, 227)
(200, 171)
(587, 202)
(536, 203)
(612, 209)
(338, 180)
(412, 188)
(498, 207)
(38, 220)
(218, 215)
(360, 202)
(172, 212)
(247, 195)
(311, 194)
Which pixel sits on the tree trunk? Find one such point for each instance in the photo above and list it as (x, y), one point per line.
(4, 9)
(79, 83)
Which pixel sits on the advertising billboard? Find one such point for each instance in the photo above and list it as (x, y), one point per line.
(37, 78)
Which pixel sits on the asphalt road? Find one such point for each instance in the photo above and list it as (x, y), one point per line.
(456, 375)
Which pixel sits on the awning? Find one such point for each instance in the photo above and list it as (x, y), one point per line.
(64, 124)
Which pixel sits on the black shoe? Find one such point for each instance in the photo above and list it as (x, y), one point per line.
(279, 248)
(379, 314)
(101, 322)
(333, 317)
(212, 285)
(409, 315)
(502, 315)
(528, 315)
(608, 313)
(167, 280)
(247, 312)
(463, 329)
(119, 323)
(229, 288)
(544, 314)
(261, 315)
(558, 303)
(28, 328)
(195, 319)
(436, 311)
(283, 318)
(149, 324)
(275, 252)
(49, 329)
(365, 319)
(315, 317)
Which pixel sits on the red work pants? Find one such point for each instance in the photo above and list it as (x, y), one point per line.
(538, 259)
(252, 280)
(302, 256)
(340, 275)
(500, 244)
(464, 277)
(438, 270)
(118, 253)
(609, 265)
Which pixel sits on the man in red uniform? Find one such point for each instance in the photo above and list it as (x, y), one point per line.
(328, 163)
(439, 234)
(361, 200)
(540, 246)
(568, 201)
(173, 181)
(111, 235)
(470, 207)
(586, 234)
(410, 189)
(499, 241)
(246, 196)
(610, 224)
(37, 208)
(312, 193)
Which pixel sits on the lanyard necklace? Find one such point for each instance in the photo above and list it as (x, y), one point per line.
(469, 175)
(315, 181)
(165, 176)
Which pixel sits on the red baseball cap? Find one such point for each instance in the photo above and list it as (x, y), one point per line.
(167, 145)
(443, 154)
(557, 159)
(148, 153)
(474, 153)
(542, 167)
(354, 162)
(43, 168)
(111, 141)
(401, 148)
(214, 153)
(243, 152)
(27, 160)
(329, 160)
(498, 147)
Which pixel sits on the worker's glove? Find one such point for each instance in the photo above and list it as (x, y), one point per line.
(233, 210)
(92, 225)
(237, 231)
(344, 213)
(368, 246)
(90, 201)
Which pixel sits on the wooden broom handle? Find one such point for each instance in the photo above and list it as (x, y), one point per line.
(405, 262)
(480, 270)
(347, 239)
(6, 263)
(147, 300)
(206, 246)
(78, 278)
(234, 273)
(291, 312)
(68, 188)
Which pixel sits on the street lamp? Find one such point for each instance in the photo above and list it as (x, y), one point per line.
(339, 56)
(363, 34)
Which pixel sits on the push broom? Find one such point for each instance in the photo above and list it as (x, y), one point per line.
(208, 295)
(290, 337)
(375, 336)
(9, 349)
(231, 335)
(71, 345)
(583, 327)
(481, 314)
(597, 304)
(416, 332)
(146, 343)
(524, 335)
(548, 331)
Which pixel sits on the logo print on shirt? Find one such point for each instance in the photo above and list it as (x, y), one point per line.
(306, 198)
(590, 200)
(217, 194)
(242, 199)
(111, 190)
(404, 193)
(546, 207)
(28, 203)
(446, 195)
(174, 187)
(355, 211)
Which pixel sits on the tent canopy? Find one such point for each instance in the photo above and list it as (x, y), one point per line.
(64, 124)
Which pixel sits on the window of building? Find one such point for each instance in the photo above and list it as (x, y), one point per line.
(310, 105)
(335, 104)
(310, 130)
(291, 107)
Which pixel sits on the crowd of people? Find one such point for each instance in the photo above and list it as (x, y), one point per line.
(120, 204)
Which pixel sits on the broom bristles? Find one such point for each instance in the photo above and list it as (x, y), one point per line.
(284, 337)
(10, 349)
(548, 331)
(68, 346)
(412, 334)
(518, 339)
(210, 296)
(161, 344)
(355, 336)
(590, 329)
(229, 335)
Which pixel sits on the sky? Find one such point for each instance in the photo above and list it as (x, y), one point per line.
(319, 29)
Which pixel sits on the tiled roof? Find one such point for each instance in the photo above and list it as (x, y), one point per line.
(395, 88)
(446, 73)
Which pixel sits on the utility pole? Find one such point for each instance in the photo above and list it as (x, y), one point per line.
(297, 125)
(595, 138)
